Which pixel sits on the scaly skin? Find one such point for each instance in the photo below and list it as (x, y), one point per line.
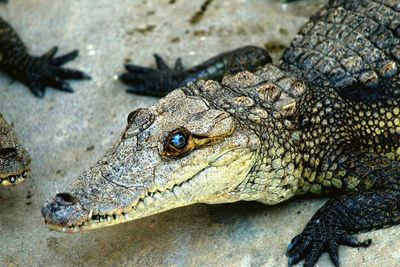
(325, 119)
(161, 81)
(37, 73)
(14, 159)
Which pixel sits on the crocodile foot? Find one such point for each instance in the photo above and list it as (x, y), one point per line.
(157, 81)
(46, 71)
(317, 239)
(163, 79)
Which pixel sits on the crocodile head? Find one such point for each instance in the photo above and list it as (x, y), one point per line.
(182, 151)
(14, 159)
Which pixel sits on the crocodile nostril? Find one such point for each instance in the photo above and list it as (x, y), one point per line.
(8, 151)
(67, 197)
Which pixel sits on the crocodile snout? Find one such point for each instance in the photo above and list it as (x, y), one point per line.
(65, 211)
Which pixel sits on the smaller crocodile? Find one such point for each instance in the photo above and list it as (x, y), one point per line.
(37, 73)
(14, 159)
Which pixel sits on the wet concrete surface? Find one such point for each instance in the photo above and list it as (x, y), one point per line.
(65, 133)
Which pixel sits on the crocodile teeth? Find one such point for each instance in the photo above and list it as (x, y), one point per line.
(148, 200)
(14, 179)
(185, 186)
(140, 205)
(177, 190)
(157, 196)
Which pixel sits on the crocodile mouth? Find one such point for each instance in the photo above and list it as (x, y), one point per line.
(149, 203)
(14, 178)
(158, 200)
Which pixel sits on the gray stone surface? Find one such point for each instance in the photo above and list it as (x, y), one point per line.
(65, 133)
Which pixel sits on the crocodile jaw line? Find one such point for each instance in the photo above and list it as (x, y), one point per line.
(14, 178)
(14, 159)
(154, 202)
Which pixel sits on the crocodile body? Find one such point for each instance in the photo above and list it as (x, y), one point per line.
(36, 72)
(323, 120)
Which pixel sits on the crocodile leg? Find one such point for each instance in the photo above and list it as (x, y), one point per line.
(373, 204)
(36, 72)
(163, 79)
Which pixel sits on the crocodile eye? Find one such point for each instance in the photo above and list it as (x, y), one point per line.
(178, 142)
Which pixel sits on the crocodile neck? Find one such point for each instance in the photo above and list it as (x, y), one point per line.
(313, 128)
(257, 101)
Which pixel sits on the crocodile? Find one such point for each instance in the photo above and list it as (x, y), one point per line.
(14, 159)
(37, 73)
(323, 120)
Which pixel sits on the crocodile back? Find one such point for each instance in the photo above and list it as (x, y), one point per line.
(348, 56)
(352, 46)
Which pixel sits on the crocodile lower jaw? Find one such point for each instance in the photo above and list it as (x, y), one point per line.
(151, 203)
(95, 222)
(141, 209)
(14, 178)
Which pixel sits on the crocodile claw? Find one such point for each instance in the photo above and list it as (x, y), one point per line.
(46, 71)
(157, 81)
(315, 240)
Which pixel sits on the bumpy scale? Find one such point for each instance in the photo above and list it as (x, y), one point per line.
(325, 119)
